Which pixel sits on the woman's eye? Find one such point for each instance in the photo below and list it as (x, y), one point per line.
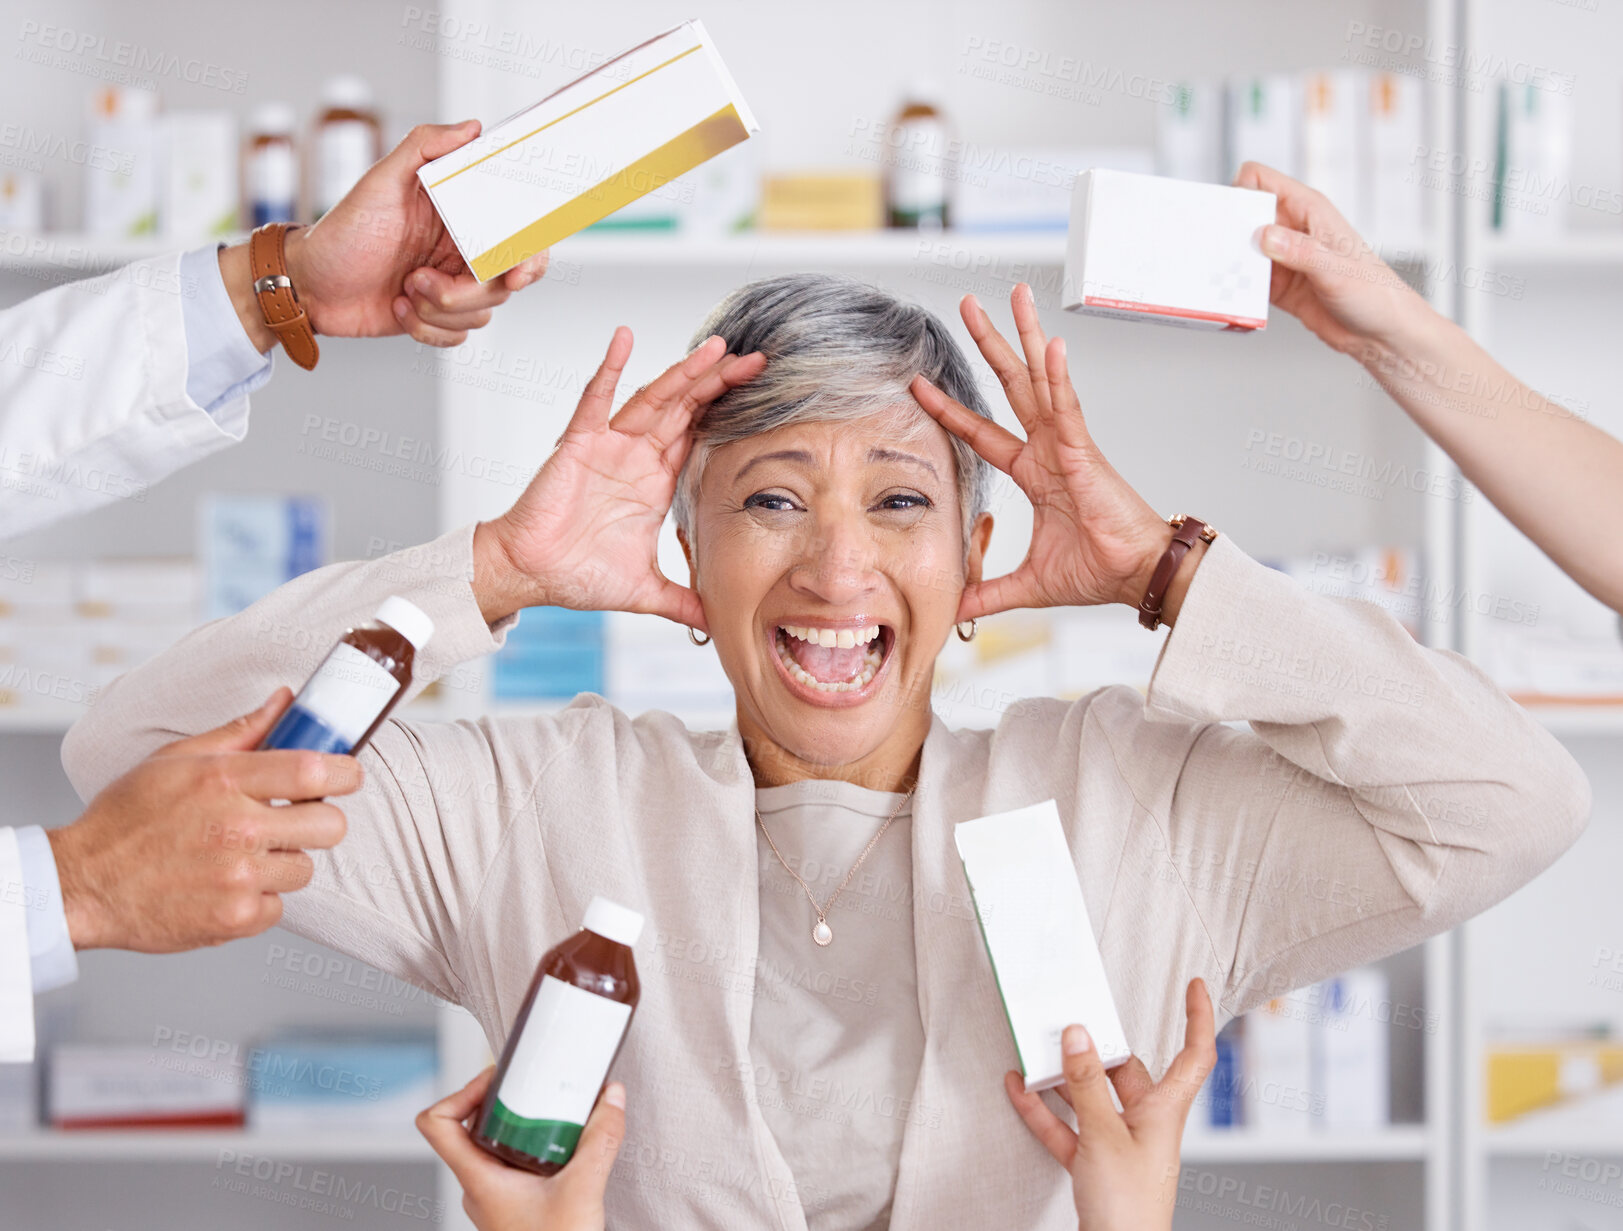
(769, 500)
(904, 500)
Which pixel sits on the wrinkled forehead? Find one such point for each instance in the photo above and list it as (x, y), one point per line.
(884, 434)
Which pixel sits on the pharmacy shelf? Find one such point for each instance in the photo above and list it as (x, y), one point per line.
(999, 254)
(205, 1145)
(1395, 1143)
(1591, 1125)
(1602, 719)
(1601, 250)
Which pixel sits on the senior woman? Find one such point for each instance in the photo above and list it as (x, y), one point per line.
(820, 1042)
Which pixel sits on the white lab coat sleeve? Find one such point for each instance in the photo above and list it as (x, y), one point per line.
(16, 981)
(51, 957)
(94, 405)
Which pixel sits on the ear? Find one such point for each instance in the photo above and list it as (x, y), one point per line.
(980, 534)
(687, 554)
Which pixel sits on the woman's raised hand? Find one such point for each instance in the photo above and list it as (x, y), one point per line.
(1123, 1165)
(1324, 274)
(585, 533)
(1093, 538)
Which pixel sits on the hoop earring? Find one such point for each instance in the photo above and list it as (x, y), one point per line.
(959, 629)
(694, 637)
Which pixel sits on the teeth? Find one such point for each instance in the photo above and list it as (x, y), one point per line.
(871, 660)
(843, 638)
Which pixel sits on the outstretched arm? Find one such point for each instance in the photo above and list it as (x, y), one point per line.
(1548, 471)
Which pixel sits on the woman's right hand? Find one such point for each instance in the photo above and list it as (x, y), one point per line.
(585, 533)
(1324, 274)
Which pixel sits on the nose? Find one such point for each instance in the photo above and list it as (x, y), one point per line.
(836, 562)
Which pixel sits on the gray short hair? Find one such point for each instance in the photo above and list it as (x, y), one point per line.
(838, 349)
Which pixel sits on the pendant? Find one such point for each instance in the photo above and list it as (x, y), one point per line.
(822, 933)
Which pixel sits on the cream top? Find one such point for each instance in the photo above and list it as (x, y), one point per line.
(1301, 790)
(835, 1036)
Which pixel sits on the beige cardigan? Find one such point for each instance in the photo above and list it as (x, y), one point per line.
(1382, 793)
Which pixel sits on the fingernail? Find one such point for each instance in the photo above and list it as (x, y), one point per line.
(1075, 1041)
(400, 306)
(422, 281)
(615, 1095)
(1274, 242)
(1061, 348)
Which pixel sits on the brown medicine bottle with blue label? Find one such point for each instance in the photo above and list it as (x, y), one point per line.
(357, 684)
(565, 1039)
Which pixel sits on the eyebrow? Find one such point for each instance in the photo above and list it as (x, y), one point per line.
(805, 459)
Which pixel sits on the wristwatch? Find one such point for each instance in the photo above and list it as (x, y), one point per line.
(278, 299)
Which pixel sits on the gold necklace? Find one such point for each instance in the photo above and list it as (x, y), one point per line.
(822, 933)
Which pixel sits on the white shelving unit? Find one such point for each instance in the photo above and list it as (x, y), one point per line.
(1524, 965)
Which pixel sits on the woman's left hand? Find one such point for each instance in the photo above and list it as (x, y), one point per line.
(1093, 538)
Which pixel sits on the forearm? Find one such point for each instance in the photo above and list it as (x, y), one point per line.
(229, 666)
(1547, 470)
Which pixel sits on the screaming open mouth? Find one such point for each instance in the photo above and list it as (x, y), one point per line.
(833, 660)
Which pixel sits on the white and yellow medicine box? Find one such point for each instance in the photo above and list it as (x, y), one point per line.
(627, 128)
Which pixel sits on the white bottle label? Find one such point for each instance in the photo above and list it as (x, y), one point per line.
(273, 180)
(346, 152)
(919, 168)
(564, 1053)
(337, 705)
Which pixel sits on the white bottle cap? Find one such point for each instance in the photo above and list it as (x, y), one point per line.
(407, 619)
(273, 120)
(612, 921)
(348, 92)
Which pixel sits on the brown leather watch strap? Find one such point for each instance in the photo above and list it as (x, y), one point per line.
(1185, 530)
(278, 299)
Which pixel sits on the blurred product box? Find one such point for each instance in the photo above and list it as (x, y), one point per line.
(309, 1082)
(200, 187)
(150, 589)
(1144, 247)
(1533, 161)
(1351, 1050)
(122, 173)
(1335, 114)
(1527, 1077)
(835, 201)
(1277, 1091)
(650, 665)
(620, 132)
(22, 201)
(19, 1098)
(1264, 123)
(1223, 1087)
(252, 544)
(1189, 134)
(133, 1086)
(551, 653)
(1550, 665)
(1028, 188)
(725, 194)
(1397, 197)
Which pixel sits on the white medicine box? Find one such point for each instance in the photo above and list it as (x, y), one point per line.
(1145, 247)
